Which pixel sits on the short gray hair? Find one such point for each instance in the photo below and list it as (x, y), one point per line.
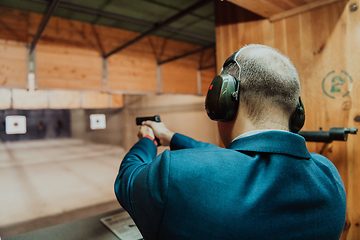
(268, 78)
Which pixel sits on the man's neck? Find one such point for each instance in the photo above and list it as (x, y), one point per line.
(244, 124)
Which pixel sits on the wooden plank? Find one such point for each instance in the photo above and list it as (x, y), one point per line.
(268, 32)
(222, 47)
(13, 24)
(253, 35)
(238, 35)
(234, 14)
(69, 56)
(112, 38)
(276, 10)
(92, 100)
(306, 72)
(117, 100)
(179, 77)
(23, 99)
(64, 32)
(301, 9)
(324, 47)
(13, 64)
(5, 98)
(160, 48)
(62, 99)
(134, 68)
(207, 76)
(207, 58)
(132, 71)
(164, 49)
(68, 68)
(265, 8)
(352, 51)
(306, 39)
(292, 30)
(280, 40)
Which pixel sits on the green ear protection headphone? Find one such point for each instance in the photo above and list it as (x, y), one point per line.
(222, 99)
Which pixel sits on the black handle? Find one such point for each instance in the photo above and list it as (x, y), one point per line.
(155, 118)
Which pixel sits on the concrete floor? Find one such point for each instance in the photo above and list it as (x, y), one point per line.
(46, 182)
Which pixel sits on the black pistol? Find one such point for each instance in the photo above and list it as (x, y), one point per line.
(155, 118)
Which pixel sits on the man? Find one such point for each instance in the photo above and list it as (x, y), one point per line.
(263, 185)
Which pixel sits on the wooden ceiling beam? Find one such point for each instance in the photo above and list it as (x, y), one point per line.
(264, 8)
(168, 21)
(43, 23)
(301, 9)
(275, 10)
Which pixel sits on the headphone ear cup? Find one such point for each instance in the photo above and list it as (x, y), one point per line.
(297, 119)
(220, 103)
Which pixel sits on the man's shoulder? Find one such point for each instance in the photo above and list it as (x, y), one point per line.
(321, 160)
(324, 164)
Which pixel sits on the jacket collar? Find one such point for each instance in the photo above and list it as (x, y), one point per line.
(280, 142)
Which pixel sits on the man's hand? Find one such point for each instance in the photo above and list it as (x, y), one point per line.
(145, 131)
(160, 131)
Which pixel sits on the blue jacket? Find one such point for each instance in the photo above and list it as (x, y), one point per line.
(264, 186)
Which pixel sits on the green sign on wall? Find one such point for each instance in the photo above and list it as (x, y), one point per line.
(337, 84)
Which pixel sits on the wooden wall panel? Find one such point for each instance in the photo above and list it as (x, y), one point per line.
(13, 60)
(179, 77)
(207, 59)
(132, 71)
(13, 24)
(95, 100)
(269, 8)
(110, 38)
(134, 68)
(57, 99)
(23, 99)
(68, 56)
(164, 49)
(61, 99)
(238, 35)
(68, 68)
(206, 78)
(64, 32)
(5, 98)
(117, 100)
(324, 46)
(352, 108)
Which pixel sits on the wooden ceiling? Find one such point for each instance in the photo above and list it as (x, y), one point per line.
(278, 9)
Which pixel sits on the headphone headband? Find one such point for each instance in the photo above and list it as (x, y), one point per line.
(228, 61)
(233, 59)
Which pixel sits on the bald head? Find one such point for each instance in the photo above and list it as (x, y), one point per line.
(269, 82)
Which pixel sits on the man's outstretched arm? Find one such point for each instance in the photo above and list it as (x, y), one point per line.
(176, 141)
(138, 157)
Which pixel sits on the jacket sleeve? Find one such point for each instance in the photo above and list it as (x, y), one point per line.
(138, 157)
(179, 141)
(141, 186)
